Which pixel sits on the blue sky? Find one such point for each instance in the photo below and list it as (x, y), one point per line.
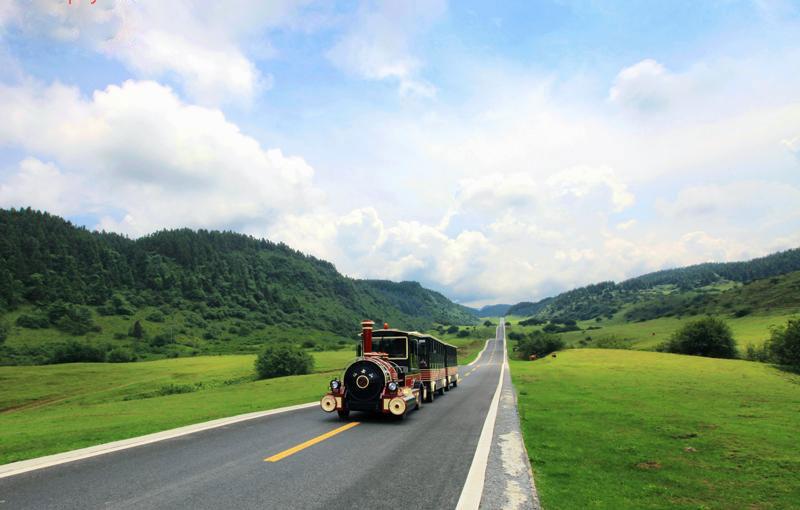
(496, 151)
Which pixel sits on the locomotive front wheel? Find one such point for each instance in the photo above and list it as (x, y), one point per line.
(343, 413)
(440, 390)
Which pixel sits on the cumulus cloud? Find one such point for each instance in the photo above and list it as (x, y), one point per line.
(139, 149)
(196, 44)
(792, 145)
(379, 44)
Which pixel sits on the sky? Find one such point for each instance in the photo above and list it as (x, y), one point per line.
(494, 151)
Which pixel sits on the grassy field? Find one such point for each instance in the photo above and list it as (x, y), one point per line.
(54, 408)
(751, 329)
(629, 429)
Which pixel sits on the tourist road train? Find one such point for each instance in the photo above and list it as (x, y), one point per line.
(395, 372)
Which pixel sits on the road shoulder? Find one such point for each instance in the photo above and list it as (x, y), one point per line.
(509, 481)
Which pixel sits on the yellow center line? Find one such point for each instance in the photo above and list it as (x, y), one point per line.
(310, 442)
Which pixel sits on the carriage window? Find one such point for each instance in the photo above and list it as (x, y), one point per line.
(395, 347)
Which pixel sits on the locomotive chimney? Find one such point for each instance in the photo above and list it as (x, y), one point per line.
(366, 335)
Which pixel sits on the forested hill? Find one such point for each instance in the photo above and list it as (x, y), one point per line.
(45, 259)
(660, 293)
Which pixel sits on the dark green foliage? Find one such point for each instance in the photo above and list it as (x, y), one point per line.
(214, 275)
(33, 321)
(708, 336)
(533, 321)
(452, 329)
(463, 333)
(555, 328)
(4, 330)
(155, 317)
(162, 339)
(281, 360)
(488, 323)
(784, 344)
(120, 355)
(76, 320)
(137, 331)
(74, 352)
(538, 343)
(607, 298)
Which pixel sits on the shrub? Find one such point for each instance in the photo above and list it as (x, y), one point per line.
(463, 333)
(488, 323)
(33, 321)
(539, 343)
(282, 359)
(137, 331)
(162, 339)
(77, 320)
(708, 336)
(784, 344)
(452, 329)
(74, 352)
(753, 353)
(742, 312)
(533, 321)
(120, 355)
(155, 316)
(4, 330)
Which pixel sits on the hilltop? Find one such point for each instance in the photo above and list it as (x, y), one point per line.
(191, 291)
(738, 288)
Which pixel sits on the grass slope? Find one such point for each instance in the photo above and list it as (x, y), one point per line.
(55, 408)
(627, 429)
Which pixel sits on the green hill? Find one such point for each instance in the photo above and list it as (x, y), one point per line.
(190, 291)
(761, 284)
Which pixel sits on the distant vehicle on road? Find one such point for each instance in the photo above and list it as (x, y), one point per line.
(396, 371)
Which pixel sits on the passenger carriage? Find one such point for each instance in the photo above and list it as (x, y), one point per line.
(395, 371)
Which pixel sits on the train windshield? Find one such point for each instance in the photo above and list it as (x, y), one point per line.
(395, 347)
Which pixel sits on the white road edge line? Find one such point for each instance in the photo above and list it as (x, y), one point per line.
(24, 466)
(480, 353)
(472, 492)
(16, 468)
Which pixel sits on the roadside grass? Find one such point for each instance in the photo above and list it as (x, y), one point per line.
(55, 408)
(630, 429)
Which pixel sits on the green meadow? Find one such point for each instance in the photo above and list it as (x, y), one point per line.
(630, 429)
(751, 329)
(55, 408)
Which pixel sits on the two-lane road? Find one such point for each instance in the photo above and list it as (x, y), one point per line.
(420, 462)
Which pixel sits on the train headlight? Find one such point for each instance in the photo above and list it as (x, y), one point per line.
(335, 385)
(392, 386)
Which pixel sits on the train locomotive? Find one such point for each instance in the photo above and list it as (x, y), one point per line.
(396, 371)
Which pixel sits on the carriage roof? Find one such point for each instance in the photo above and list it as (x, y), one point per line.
(416, 334)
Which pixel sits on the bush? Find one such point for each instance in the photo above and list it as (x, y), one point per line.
(784, 344)
(533, 321)
(753, 353)
(120, 355)
(463, 333)
(34, 321)
(539, 343)
(137, 331)
(77, 320)
(280, 360)
(162, 339)
(488, 323)
(4, 330)
(708, 336)
(452, 329)
(74, 352)
(155, 316)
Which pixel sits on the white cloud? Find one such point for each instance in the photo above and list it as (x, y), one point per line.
(197, 44)
(379, 44)
(792, 145)
(139, 149)
(42, 186)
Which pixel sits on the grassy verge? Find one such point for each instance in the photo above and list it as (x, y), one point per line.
(628, 429)
(55, 408)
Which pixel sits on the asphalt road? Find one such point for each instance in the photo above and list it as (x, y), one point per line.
(420, 462)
